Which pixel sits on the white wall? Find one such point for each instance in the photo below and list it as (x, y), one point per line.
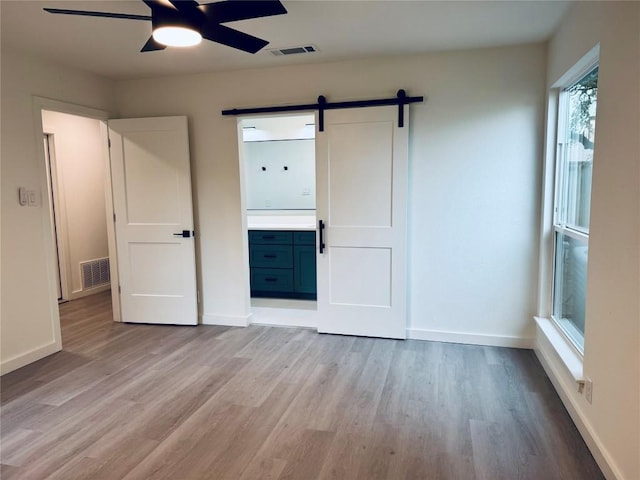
(80, 170)
(27, 322)
(475, 153)
(274, 142)
(269, 185)
(611, 424)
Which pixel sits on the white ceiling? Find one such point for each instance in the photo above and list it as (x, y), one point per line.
(339, 29)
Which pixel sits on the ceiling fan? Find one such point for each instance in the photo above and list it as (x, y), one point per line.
(186, 22)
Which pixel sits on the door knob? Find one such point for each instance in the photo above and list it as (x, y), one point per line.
(184, 233)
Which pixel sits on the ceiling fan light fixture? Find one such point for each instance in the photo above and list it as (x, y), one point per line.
(177, 36)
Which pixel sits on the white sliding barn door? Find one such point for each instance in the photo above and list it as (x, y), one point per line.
(151, 179)
(361, 175)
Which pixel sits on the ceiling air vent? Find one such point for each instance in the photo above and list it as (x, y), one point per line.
(294, 50)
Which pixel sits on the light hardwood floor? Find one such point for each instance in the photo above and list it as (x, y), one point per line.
(161, 402)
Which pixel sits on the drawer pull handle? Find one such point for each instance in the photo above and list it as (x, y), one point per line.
(268, 237)
(270, 279)
(270, 256)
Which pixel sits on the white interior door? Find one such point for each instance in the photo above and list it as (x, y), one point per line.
(152, 203)
(361, 175)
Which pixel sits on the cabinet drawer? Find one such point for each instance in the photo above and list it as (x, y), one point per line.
(271, 280)
(273, 256)
(304, 238)
(270, 237)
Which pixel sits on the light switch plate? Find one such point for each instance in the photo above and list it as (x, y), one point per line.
(33, 198)
(23, 197)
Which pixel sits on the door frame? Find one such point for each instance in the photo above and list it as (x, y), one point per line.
(40, 104)
(58, 220)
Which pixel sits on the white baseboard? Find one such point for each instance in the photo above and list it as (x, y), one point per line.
(29, 357)
(470, 338)
(285, 317)
(226, 320)
(565, 387)
(76, 294)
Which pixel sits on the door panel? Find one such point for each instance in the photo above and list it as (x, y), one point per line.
(351, 272)
(360, 169)
(153, 206)
(155, 268)
(361, 179)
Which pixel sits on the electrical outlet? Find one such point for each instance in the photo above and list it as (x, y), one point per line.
(588, 389)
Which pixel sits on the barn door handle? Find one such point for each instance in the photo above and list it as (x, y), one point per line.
(321, 233)
(183, 233)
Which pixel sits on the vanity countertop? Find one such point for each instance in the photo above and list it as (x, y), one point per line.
(281, 222)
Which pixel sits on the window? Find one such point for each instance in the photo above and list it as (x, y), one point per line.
(574, 165)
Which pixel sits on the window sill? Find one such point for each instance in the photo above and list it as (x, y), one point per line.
(570, 357)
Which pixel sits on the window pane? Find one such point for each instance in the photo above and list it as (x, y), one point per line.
(570, 286)
(576, 152)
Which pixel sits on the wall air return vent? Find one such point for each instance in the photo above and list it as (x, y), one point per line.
(278, 52)
(95, 273)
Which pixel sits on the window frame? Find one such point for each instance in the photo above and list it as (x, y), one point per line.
(558, 218)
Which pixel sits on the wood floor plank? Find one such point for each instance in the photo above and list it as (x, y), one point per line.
(162, 416)
(231, 460)
(89, 402)
(18, 415)
(186, 451)
(306, 459)
(263, 372)
(346, 453)
(13, 444)
(383, 446)
(140, 402)
(9, 472)
(354, 407)
(63, 445)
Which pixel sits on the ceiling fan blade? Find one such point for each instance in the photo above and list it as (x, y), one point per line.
(190, 10)
(152, 46)
(85, 13)
(232, 38)
(230, 11)
(154, 3)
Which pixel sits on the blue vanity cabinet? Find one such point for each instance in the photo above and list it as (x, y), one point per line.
(282, 264)
(304, 262)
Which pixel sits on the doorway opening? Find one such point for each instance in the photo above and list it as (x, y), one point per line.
(75, 186)
(76, 190)
(277, 165)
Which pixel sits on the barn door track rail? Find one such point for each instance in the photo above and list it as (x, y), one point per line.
(400, 100)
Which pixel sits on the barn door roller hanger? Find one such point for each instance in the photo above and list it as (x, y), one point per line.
(400, 100)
